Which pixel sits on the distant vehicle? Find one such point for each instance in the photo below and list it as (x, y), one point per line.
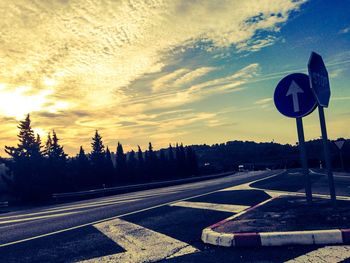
(241, 168)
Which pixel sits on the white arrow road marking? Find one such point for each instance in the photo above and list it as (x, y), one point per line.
(324, 254)
(211, 206)
(293, 90)
(141, 244)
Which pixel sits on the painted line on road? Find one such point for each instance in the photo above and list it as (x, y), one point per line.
(212, 206)
(64, 209)
(110, 218)
(35, 218)
(141, 244)
(326, 254)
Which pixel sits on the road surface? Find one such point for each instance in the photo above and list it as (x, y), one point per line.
(162, 224)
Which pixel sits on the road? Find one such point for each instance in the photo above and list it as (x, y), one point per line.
(162, 224)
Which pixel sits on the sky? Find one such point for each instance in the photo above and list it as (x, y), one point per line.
(166, 71)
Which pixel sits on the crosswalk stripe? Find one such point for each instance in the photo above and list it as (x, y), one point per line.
(325, 254)
(141, 244)
(212, 206)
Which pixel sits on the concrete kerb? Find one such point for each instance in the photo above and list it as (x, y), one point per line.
(264, 239)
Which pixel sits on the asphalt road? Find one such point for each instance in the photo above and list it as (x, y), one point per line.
(162, 224)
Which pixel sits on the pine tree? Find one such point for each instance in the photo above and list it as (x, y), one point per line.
(25, 176)
(48, 146)
(56, 164)
(140, 164)
(171, 169)
(57, 151)
(109, 168)
(83, 170)
(97, 157)
(121, 163)
(132, 166)
(191, 161)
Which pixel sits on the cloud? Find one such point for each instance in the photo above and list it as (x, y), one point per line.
(263, 101)
(344, 30)
(84, 56)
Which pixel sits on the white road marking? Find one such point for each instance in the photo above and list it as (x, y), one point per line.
(278, 193)
(35, 218)
(324, 254)
(63, 209)
(111, 218)
(141, 244)
(212, 206)
(247, 186)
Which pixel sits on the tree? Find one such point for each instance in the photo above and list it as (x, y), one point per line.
(151, 162)
(140, 163)
(56, 163)
(83, 173)
(25, 176)
(132, 166)
(171, 168)
(191, 161)
(121, 163)
(109, 168)
(97, 157)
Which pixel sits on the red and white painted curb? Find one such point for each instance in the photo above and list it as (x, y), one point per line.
(310, 237)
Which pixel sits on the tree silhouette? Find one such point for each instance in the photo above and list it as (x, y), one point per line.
(83, 170)
(25, 176)
(191, 161)
(140, 164)
(56, 178)
(97, 158)
(109, 168)
(132, 166)
(120, 163)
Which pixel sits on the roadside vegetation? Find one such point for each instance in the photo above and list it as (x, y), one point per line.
(36, 170)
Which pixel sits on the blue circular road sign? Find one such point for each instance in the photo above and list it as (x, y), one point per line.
(293, 96)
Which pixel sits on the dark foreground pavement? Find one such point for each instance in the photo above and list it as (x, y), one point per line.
(148, 226)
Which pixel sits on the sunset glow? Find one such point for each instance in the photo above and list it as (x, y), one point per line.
(166, 71)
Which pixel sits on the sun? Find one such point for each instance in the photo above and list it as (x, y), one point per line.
(19, 101)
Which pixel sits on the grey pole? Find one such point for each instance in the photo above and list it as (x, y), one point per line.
(303, 158)
(327, 155)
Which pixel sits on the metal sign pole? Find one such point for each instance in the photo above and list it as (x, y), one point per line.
(303, 158)
(327, 155)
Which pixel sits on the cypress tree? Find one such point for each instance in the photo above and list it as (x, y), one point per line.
(97, 157)
(83, 169)
(132, 166)
(191, 161)
(140, 163)
(121, 163)
(109, 168)
(171, 171)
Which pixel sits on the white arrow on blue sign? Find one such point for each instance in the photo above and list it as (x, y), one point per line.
(319, 80)
(293, 96)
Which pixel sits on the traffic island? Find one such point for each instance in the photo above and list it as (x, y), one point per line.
(284, 220)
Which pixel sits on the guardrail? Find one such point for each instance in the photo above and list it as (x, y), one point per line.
(130, 188)
(4, 204)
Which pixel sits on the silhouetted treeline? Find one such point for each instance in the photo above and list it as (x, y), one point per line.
(36, 170)
(257, 156)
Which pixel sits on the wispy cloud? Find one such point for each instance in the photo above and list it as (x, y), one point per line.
(344, 30)
(84, 56)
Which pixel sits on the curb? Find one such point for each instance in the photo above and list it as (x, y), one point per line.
(265, 239)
